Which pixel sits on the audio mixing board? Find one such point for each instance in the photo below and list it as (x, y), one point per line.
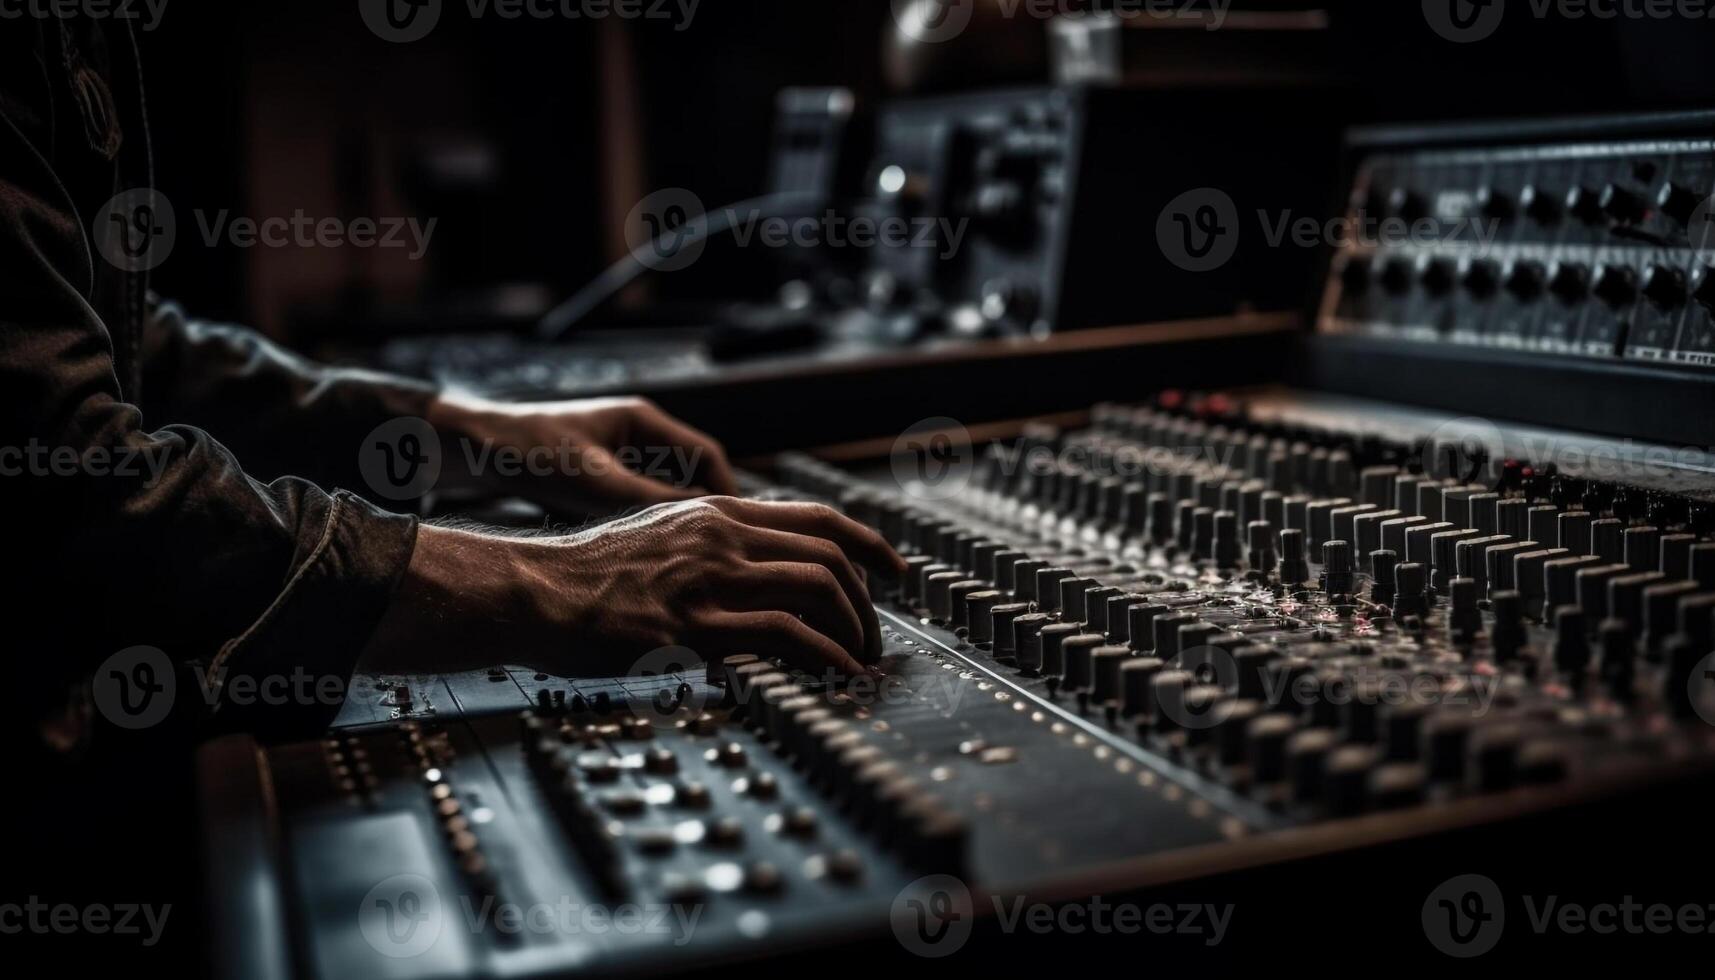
(1216, 627)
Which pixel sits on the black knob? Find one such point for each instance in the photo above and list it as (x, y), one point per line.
(1543, 207)
(1482, 278)
(1704, 293)
(1571, 643)
(1585, 204)
(1508, 635)
(1438, 277)
(1678, 202)
(1665, 287)
(1294, 566)
(1527, 280)
(1411, 597)
(1397, 276)
(1571, 282)
(1337, 567)
(1355, 277)
(1495, 205)
(1617, 286)
(1624, 206)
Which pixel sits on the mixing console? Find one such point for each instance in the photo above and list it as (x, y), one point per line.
(1214, 627)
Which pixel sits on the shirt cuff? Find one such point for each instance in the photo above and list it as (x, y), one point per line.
(289, 673)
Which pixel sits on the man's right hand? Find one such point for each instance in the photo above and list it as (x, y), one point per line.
(719, 575)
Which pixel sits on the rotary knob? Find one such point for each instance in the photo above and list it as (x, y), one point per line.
(1526, 281)
(1355, 277)
(1705, 291)
(1571, 282)
(1482, 278)
(1585, 204)
(1624, 206)
(1678, 202)
(1397, 277)
(1408, 204)
(1543, 207)
(1665, 287)
(1617, 286)
(1438, 277)
(1495, 205)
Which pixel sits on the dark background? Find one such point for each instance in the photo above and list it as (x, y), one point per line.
(530, 139)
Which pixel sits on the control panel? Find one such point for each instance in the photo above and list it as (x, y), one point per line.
(1571, 240)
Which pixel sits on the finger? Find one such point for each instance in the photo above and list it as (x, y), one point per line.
(864, 545)
(766, 544)
(606, 477)
(710, 465)
(811, 592)
(779, 636)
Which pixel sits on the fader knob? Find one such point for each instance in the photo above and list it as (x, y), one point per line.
(1571, 645)
(1464, 621)
(1438, 277)
(1337, 568)
(1508, 635)
(1294, 566)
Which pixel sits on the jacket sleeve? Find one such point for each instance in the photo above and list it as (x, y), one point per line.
(277, 411)
(132, 532)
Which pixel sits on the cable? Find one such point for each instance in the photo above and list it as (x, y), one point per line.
(559, 321)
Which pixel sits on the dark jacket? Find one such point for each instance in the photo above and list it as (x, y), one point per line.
(183, 549)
